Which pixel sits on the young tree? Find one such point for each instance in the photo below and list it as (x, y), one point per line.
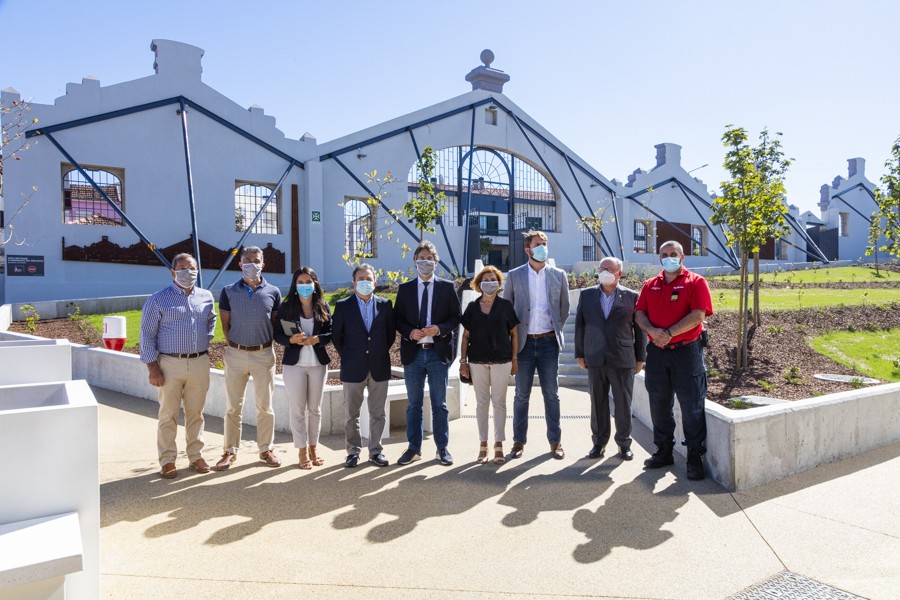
(751, 207)
(886, 218)
(15, 121)
(426, 207)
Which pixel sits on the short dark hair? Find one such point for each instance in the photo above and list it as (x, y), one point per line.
(183, 256)
(364, 267)
(426, 245)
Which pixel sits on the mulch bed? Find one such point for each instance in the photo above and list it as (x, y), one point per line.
(778, 345)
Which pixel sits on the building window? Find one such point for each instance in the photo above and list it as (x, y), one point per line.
(698, 241)
(490, 116)
(844, 225)
(248, 200)
(359, 229)
(642, 241)
(84, 205)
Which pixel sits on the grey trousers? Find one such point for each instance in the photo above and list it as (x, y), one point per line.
(353, 399)
(621, 382)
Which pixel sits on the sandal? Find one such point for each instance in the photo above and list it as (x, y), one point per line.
(317, 460)
(482, 454)
(305, 463)
(499, 459)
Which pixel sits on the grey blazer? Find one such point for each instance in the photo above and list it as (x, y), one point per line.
(516, 291)
(615, 341)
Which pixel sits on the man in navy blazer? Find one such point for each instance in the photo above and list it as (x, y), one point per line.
(610, 345)
(427, 311)
(363, 333)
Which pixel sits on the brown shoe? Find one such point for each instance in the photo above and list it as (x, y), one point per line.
(303, 456)
(557, 451)
(317, 460)
(200, 465)
(517, 449)
(168, 471)
(226, 461)
(270, 459)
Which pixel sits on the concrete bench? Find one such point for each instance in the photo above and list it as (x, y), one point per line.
(37, 554)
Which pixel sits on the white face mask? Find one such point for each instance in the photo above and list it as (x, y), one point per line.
(425, 267)
(186, 278)
(606, 278)
(490, 287)
(365, 287)
(251, 270)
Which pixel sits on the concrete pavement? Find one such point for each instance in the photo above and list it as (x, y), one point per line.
(533, 528)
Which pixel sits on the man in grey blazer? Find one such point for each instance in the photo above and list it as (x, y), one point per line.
(610, 345)
(540, 295)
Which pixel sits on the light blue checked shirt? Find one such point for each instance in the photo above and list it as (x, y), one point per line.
(173, 322)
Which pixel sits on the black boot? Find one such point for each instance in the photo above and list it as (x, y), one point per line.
(662, 458)
(695, 469)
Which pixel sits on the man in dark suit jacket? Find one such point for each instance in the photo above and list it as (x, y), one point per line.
(612, 348)
(427, 311)
(363, 333)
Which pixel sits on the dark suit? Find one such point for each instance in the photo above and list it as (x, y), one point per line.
(420, 362)
(365, 365)
(610, 346)
(292, 351)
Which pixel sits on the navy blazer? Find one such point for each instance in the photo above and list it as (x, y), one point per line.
(363, 352)
(444, 314)
(614, 341)
(292, 351)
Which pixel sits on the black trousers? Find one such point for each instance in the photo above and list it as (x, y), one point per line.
(680, 372)
(621, 381)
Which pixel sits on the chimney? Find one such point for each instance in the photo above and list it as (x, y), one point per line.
(856, 166)
(486, 78)
(824, 197)
(668, 154)
(176, 59)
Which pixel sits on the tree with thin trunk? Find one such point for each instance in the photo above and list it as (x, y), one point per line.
(886, 218)
(753, 210)
(426, 207)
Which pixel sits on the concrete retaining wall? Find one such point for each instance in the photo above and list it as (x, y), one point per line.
(60, 309)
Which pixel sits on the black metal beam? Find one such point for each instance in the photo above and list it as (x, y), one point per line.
(190, 183)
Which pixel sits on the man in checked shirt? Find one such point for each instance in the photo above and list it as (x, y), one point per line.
(177, 324)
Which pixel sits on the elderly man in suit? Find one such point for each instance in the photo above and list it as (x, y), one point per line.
(363, 333)
(427, 310)
(540, 295)
(610, 345)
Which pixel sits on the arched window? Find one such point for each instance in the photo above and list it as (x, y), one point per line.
(83, 205)
(248, 199)
(642, 238)
(359, 229)
(698, 241)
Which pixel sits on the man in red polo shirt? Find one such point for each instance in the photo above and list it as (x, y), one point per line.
(671, 310)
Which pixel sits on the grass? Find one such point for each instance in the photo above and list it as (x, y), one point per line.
(822, 275)
(875, 354)
(784, 299)
(133, 318)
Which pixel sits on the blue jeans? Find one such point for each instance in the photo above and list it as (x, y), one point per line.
(541, 354)
(426, 364)
(678, 372)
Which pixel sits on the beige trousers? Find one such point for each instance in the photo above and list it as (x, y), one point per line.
(240, 365)
(490, 383)
(186, 381)
(304, 387)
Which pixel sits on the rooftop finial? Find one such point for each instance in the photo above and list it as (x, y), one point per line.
(486, 77)
(487, 57)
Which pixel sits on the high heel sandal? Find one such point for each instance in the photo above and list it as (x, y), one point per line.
(499, 459)
(305, 463)
(482, 454)
(317, 460)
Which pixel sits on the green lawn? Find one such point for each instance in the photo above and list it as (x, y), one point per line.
(872, 353)
(821, 275)
(133, 318)
(790, 299)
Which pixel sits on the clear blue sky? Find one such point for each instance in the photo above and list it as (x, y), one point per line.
(609, 79)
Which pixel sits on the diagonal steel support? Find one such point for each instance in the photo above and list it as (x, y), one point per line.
(818, 254)
(709, 226)
(150, 245)
(190, 183)
(469, 196)
(588, 204)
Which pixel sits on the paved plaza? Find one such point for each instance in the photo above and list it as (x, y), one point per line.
(533, 528)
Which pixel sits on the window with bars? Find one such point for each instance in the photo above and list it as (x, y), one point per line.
(359, 229)
(83, 204)
(248, 200)
(642, 237)
(698, 241)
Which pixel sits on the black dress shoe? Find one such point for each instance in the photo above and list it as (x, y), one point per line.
(351, 461)
(626, 453)
(409, 456)
(444, 456)
(695, 470)
(661, 458)
(597, 451)
(378, 460)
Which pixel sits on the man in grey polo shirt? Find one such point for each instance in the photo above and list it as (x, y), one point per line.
(247, 308)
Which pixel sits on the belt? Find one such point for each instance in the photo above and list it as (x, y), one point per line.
(250, 348)
(194, 355)
(679, 344)
(537, 336)
(426, 346)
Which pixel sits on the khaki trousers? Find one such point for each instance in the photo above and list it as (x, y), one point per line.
(186, 381)
(490, 383)
(240, 365)
(304, 387)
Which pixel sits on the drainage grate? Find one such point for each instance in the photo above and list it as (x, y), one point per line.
(537, 418)
(787, 585)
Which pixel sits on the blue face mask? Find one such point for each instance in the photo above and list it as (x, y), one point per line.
(365, 287)
(540, 253)
(306, 289)
(671, 264)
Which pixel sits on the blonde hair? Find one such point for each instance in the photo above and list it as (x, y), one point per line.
(476, 281)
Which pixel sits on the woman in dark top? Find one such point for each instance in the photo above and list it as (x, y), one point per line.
(488, 356)
(304, 328)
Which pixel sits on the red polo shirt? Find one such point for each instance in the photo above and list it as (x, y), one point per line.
(667, 303)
